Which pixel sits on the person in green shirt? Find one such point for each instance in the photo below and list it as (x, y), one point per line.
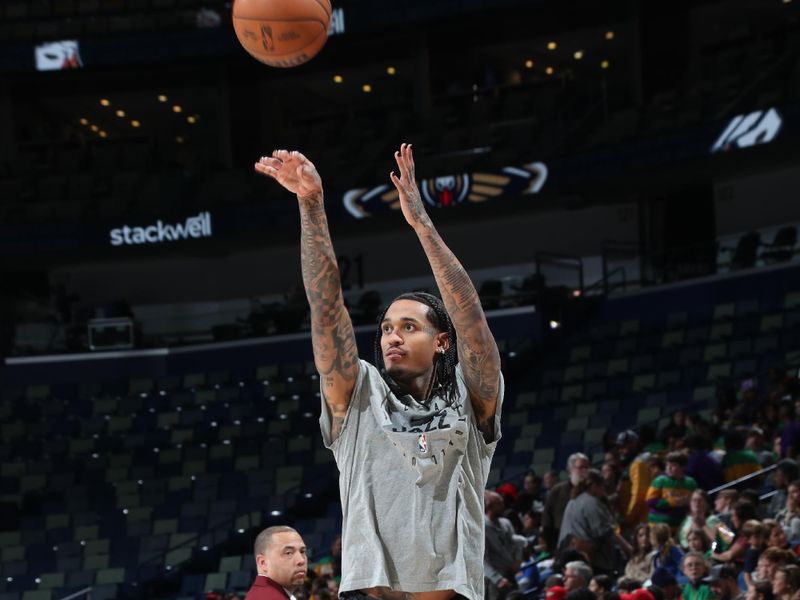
(695, 567)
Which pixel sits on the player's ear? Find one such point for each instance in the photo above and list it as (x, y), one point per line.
(442, 342)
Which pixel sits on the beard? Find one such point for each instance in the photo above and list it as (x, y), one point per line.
(575, 478)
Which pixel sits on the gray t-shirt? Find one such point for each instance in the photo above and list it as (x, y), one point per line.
(411, 482)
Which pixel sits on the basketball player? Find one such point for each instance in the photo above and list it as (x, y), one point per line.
(413, 436)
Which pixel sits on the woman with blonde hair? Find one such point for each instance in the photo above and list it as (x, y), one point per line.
(666, 554)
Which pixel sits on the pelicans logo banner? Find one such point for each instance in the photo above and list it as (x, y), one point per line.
(451, 191)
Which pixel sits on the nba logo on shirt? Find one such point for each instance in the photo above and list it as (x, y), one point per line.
(423, 443)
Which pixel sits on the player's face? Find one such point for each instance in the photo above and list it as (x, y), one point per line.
(409, 341)
(286, 560)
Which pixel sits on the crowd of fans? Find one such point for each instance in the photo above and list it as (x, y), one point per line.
(658, 520)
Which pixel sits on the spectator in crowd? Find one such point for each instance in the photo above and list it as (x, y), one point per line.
(700, 518)
(531, 492)
(738, 462)
(601, 585)
(549, 481)
(281, 564)
(789, 516)
(577, 574)
(331, 565)
(756, 444)
(743, 511)
(786, 582)
(699, 463)
(776, 536)
(640, 562)
(502, 552)
(698, 541)
(757, 542)
(559, 496)
(723, 505)
(589, 526)
(722, 581)
(676, 428)
(665, 582)
(634, 481)
(666, 555)
(786, 471)
(770, 560)
(669, 494)
(695, 569)
(762, 590)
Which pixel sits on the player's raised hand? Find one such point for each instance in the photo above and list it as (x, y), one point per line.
(293, 171)
(410, 200)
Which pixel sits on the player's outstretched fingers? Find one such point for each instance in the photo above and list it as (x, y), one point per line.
(401, 164)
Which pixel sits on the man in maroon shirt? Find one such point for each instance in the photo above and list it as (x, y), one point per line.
(281, 563)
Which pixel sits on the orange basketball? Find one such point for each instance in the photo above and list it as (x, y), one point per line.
(282, 33)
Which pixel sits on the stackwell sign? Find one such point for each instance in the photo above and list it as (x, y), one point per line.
(159, 232)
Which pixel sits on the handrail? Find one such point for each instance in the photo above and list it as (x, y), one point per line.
(560, 260)
(736, 482)
(78, 594)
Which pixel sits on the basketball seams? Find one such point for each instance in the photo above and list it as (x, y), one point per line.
(263, 20)
(328, 9)
(277, 56)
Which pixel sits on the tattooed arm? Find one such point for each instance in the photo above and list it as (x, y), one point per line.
(334, 343)
(477, 350)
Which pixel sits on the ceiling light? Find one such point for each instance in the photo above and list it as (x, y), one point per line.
(391, 70)
(549, 70)
(609, 35)
(105, 102)
(366, 88)
(604, 64)
(84, 121)
(103, 134)
(337, 79)
(578, 54)
(162, 98)
(529, 64)
(135, 123)
(120, 113)
(95, 128)
(177, 108)
(191, 119)
(552, 45)
(179, 139)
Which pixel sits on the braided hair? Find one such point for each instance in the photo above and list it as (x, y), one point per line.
(443, 382)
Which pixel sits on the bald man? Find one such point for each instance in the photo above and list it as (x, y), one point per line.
(281, 563)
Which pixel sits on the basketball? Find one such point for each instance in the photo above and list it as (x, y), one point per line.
(282, 33)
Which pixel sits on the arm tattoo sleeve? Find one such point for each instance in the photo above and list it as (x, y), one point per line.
(332, 337)
(477, 350)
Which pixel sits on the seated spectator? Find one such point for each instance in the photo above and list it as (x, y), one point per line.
(668, 495)
(762, 590)
(640, 563)
(600, 585)
(789, 515)
(549, 481)
(700, 518)
(577, 574)
(698, 542)
(666, 555)
(769, 562)
(722, 581)
(580, 594)
(588, 525)
(694, 569)
(531, 492)
(756, 444)
(699, 463)
(555, 592)
(786, 582)
(742, 512)
(738, 462)
(757, 542)
(723, 506)
(786, 471)
(628, 585)
(776, 536)
(666, 583)
(676, 428)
